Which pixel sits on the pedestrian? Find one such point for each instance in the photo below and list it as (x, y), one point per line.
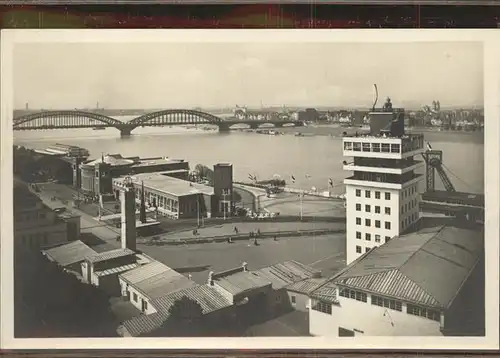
(235, 230)
(275, 238)
(258, 232)
(255, 242)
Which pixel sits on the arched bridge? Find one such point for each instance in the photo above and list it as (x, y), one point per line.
(83, 119)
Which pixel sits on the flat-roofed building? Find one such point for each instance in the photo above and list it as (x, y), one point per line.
(177, 198)
(97, 175)
(429, 283)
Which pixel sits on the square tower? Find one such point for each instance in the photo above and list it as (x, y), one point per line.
(382, 197)
(128, 217)
(223, 188)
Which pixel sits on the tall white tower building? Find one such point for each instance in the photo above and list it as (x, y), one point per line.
(382, 195)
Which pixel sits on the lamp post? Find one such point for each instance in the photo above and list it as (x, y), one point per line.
(301, 196)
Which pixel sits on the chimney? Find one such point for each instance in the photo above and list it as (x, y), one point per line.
(210, 280)
(128, 219)
(245, 266)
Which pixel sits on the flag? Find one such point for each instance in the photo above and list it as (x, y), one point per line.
(429, 146)
(252, 177)
(293, 179)
(330, 181)
(308, 176)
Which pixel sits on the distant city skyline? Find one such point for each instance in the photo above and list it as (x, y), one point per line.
(222, 75)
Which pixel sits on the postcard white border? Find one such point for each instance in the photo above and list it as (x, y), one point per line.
(491, 43)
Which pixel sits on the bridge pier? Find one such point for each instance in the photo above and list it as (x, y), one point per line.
(224, 128)
(125, 132)
(254, 126)
(278, 125)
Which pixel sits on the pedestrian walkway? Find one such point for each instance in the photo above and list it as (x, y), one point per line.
(247, 227)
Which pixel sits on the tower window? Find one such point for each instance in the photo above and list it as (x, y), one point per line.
(367, 249)
(368, 222)
(377, 238)
(358, 221)
(367, 208)
(387, 196)
(368, 237)
(377, 223)
(377, 195)
(388, 225)
(358, 249)
(358, 192)
(367, 194)
(358, 235)
(358, 207)
(377, 209)
(387, 238)
(387, 211)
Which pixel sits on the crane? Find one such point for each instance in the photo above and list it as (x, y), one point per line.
(434, 163)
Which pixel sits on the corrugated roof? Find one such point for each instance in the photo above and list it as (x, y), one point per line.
(326, 292)
(427, 268)
(70, 253)
(241, 282)
(306, 286)
(288, 272)
(110, 255)
(208, 298)
(155, 280)
(114, 270)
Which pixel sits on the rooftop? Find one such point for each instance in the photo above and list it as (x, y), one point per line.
(286, 273)
(405, 267)
(70, 253)
(166, 184)
(306, 286)
(110, 255)
(367, 135)
(119, 160)
(208, 298)
(116, 270)
(238, 281)
(155, 280)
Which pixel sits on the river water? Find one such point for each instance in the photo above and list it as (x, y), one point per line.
(312, 160)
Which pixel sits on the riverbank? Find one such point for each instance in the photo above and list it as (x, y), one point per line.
(336, 131)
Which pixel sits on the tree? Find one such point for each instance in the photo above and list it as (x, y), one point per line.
(50, 302)
(204, 172)
(185, 319)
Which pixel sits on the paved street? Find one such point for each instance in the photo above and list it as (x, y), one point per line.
(326, 252)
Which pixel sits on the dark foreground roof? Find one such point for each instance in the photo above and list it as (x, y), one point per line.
(209, 299)
(69, 253)
(428, 267)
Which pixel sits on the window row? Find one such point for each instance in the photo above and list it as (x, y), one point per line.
(35, 240)
(355, 295)
(368, 194)
(359, 249)
(368, 237)
(378, 223)
(387, 303)
(368, 209)
(423, 312)
(409, 220)
(408, 192)
(321, 306)
(372, 147)
(31, 216)
(409, 206)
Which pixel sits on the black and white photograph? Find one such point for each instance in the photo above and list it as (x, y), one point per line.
(248, 187)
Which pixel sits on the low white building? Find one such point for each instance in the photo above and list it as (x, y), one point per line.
(146, 283)
(413, 285)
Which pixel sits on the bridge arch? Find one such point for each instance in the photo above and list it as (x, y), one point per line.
(64, 119)
(176, 116)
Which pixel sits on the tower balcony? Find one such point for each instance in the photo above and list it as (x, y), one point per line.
(383, 146)
(383, 181)
(389, 166)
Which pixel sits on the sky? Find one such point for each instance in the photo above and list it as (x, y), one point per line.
(216, 75)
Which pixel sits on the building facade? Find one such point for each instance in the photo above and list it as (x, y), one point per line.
(37, 226)
(97, 175)
(414, 285)
(382, 195)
